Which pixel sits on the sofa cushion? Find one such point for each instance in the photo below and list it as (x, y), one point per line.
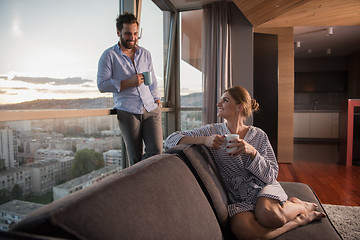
(200, 161)
(322, 229)
(157, 198)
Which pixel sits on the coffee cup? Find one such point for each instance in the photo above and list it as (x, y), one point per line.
(147, 78)
(228, 138)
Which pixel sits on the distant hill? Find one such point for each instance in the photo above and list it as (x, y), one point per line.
(82, 103)
(190, 100)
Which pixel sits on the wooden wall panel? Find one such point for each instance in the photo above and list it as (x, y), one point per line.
(286, 91)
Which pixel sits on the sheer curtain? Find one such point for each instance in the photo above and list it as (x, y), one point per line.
(216, 57)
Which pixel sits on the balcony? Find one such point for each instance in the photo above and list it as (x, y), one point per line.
(39, 149)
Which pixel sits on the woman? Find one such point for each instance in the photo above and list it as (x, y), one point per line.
(259, 208)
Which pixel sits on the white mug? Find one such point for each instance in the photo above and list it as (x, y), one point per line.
(228, 138)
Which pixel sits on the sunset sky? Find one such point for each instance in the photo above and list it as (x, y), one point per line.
(50, 49)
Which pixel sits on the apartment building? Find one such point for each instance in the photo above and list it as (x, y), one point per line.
(14, 211)
(112, 157)
(48, 173)
(46, 154)
(84, 181)
(99, 144)
(8, 149)
(21, 176)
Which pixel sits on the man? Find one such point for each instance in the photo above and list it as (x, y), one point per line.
(138, 105)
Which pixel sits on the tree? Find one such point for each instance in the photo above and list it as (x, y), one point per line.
(16, 192)
(2, 164)
(4, 196)
(86, 161)
(74, 147)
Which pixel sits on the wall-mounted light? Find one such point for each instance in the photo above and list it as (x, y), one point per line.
(309, 51)
(298, 44)
(328, 51)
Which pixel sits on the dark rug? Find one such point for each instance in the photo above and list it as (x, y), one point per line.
(345, 219)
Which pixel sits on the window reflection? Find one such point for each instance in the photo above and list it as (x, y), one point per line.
(191, 78)
(154, 28)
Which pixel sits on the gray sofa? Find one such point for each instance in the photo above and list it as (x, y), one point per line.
(175, 195)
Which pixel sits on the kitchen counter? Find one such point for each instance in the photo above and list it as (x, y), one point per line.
(322, 124)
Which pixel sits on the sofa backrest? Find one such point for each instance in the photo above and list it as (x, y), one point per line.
(157, 198)
(201, 163)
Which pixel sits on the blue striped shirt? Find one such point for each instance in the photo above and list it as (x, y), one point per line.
(115, 66)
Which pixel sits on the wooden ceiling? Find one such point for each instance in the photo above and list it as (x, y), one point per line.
(287, 13)
(307, 17)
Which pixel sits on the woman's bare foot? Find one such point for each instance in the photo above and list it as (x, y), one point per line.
(309, 207)
(306, 218)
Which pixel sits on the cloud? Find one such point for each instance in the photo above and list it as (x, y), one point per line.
(7, 93)
(43, 90)
(88, 85)
(53, 81)
(67, 91)
(13, 88)
(20, 88)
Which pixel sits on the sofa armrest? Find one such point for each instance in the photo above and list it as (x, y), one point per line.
(322, 229)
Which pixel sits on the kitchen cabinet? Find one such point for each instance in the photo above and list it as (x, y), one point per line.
(316, 125)
(302, 125)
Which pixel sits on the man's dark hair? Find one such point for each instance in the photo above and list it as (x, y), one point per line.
(127, 18)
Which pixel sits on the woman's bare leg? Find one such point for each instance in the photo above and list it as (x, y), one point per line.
(245, 226)
(295, 206)
(271, 214)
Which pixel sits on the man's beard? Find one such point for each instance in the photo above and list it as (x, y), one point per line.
(125, 44)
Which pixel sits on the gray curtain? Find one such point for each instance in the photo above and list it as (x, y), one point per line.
(216, 57)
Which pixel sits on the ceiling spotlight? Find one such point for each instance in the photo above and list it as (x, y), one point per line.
(330, 31)
(298, 44)
(328, 51)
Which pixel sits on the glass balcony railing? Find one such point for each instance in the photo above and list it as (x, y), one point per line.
(48, 154)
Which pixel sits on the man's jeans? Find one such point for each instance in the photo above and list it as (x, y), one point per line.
(137, 128)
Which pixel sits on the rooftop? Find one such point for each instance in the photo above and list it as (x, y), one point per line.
(19, 207)
(88, 177)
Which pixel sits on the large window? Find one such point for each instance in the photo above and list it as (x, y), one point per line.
(50, 50)
(152, 38)
(49, 57)
(191, 86)
(43, 160)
